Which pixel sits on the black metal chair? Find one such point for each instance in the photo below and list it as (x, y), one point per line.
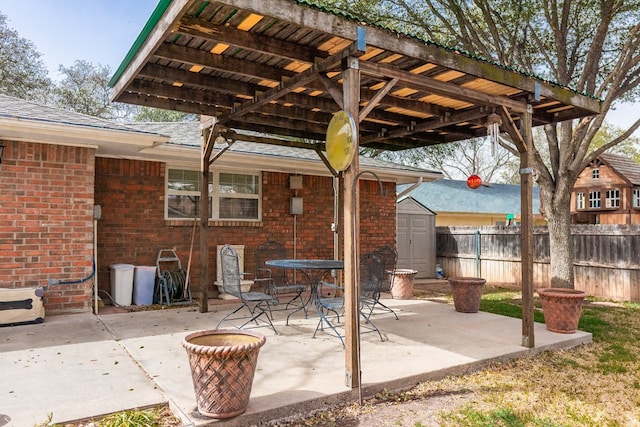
(257, 303)
(389, 257)
(275, 281)
(330, 309)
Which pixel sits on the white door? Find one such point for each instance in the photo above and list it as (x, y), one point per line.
(416, 244)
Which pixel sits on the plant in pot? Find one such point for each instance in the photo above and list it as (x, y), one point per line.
(562, 308)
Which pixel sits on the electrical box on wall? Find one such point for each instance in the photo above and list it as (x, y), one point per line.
(295, 182)
(296, 206)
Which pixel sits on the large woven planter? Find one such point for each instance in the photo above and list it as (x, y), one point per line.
(561, 308)
(223, 362)
(466, 292)
(402, 283)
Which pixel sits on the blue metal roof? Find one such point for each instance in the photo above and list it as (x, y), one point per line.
(454, 196)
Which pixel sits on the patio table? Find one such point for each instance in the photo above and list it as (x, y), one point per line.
(313, 269)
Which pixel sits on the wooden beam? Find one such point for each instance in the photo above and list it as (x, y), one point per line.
(373, 102)
(170, 104)
(247, 40)
(207, 146)
(431, 85)
(222, 63)
(432, 124)
(509, 126)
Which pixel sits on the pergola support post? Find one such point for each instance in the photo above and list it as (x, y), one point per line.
(207, 147)
(351, 229)
(526, 228)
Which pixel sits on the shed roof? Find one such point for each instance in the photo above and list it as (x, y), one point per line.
(624, 166)
(275, 68)
(446, 195)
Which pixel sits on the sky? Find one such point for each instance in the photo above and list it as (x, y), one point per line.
(102, 31)
(63, 31)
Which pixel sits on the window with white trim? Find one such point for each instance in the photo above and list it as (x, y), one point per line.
(594, 199)
(232, 196)
(595, 173)
(580, 201)
(612, 199)
(636, 197)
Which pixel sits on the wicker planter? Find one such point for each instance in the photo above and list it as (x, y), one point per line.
(402, 283)
(467, 292)
(561, 308)
(223, 362)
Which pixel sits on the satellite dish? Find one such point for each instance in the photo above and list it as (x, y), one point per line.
(341, 139)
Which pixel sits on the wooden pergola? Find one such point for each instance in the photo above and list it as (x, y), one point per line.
(276, 71)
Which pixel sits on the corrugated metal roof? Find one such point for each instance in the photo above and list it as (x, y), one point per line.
(454, 196)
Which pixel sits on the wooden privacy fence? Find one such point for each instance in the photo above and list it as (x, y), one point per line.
(606, 263)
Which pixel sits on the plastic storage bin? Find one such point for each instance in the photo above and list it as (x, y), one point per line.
(144, 280)
(122, 284)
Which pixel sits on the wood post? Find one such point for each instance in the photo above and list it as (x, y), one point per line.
(351, 222)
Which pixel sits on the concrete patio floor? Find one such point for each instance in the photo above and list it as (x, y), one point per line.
(82, 365)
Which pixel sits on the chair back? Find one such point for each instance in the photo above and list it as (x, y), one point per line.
(389, 258)
(372, 274)
(231, 278)
(264, 252)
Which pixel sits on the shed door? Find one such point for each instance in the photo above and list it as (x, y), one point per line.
(416, 244)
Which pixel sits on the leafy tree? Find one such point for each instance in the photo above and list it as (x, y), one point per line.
(150, 114)
(592, 46)
(84, 89)
(22, 71)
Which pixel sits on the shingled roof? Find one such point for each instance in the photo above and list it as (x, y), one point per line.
(446, 195)
(624, 166)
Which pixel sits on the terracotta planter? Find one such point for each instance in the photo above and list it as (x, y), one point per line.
(466, 292)
(223, 363)
(402, 283)
(561, 308)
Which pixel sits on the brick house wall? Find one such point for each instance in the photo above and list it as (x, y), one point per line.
(46, 231)
(132, 228)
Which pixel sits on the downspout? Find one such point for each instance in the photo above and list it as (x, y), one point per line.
(478, 253)
(409, 189)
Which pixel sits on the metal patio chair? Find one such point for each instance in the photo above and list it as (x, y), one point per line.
(257, 303)
(274, 280)
(389, 257)
(330, 309)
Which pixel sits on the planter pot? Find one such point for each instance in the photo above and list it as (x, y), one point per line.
(466, 292)
(402, 283)
(223, 363)
(561, 308)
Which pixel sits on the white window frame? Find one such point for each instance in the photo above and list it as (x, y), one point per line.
(595, 173)
(580, 201)
(215, 194)
(636, 197)
(594, 199)
(612, 198)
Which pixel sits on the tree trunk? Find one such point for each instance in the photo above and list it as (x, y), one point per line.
(560, 245)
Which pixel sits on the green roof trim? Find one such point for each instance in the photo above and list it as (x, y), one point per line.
(142, 37)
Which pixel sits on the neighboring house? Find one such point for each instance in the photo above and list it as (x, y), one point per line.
(607, 192)
(455, 204)
(58, 167)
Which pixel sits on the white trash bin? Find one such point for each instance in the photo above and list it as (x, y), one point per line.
(122, 284)
(144, 280)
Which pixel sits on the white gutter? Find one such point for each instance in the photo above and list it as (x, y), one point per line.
(409, 189)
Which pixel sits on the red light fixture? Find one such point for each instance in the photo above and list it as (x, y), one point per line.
(474, 181)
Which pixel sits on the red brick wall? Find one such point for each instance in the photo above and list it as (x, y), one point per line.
(46, 226)
(132, 229)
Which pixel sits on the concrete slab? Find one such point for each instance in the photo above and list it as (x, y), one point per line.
(295, 372)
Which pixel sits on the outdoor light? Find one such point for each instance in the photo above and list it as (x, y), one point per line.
(474, 181)
(1, 152)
